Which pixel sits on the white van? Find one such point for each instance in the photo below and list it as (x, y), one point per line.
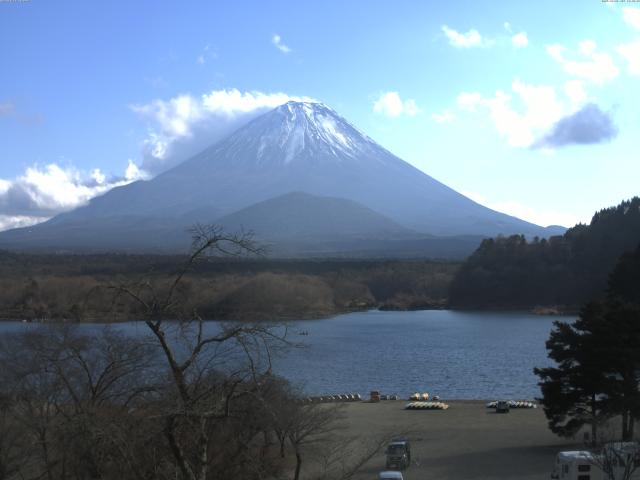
(576, 465)
(622, 457)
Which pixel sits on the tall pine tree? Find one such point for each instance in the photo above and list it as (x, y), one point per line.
(572, 391)
(597, 372)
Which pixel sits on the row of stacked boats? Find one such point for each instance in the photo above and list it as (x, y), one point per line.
(426, 406)
(345, 397)
(514, 404)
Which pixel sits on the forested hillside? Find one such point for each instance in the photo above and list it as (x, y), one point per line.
(76, 287)
(564, 271)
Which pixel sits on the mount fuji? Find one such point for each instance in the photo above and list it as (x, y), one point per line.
(300, 174)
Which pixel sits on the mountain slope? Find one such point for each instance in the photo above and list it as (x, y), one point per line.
(303, 216)
(303, 225)
(293, 225)
(297, 147)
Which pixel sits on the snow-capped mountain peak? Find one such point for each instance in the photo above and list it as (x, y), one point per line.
(301, 147)
(297, 132)
(319, 123)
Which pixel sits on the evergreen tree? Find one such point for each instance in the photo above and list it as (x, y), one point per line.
(624, 281)
(597, 372)
(623, 339)
(572, 391)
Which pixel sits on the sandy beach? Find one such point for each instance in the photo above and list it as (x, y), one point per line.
(467, 441)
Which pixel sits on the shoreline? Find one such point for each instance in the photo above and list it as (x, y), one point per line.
(539, 311)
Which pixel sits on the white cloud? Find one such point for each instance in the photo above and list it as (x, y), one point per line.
(556, 51)
(632, 16)
(520, 40)
(184, 125)
(53, 187)
(537, 116)
(469, 101)
(42, 192)
(133, 173)
(98, 176)
(200, 60)
(4, 186)
(631, 53)
(597, 67)
(391, 105)
(525, 212)
(522, 115)
(507, 27)
(574, 89)
(470, 39)
(445, 117)
(587, 47)
(174, 116)
(279, 44)
(8, 222)
(233, 102)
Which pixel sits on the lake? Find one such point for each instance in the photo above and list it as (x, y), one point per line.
(454, 354)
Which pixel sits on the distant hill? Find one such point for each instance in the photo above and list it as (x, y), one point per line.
(297, 147)
(312, 217)
(567, 270)
(298, 225)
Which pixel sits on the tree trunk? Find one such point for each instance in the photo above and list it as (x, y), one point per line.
(625, 425)
(298, 465)
(282, 442)
(45, 454)
(266, 443)
(178, 454)
(594, 421)
(203, 453)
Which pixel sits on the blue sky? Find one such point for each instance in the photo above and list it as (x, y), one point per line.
(528, 107)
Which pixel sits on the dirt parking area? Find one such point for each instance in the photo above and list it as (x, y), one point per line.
(467, 441)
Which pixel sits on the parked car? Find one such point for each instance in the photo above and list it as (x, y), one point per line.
(502, 407)
(398, 454)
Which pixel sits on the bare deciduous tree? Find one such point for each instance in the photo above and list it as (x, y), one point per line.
(202, 405)
(310, 425)
(66, 390)
(183, 399)
(14, 454)
(343, 457)
(618, 460)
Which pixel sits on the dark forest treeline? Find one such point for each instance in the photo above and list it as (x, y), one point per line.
(73, 287)
(563, 271)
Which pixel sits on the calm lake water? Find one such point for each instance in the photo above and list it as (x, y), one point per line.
(457, 355)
